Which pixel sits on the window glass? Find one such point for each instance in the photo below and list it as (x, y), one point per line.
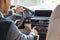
(37, 4)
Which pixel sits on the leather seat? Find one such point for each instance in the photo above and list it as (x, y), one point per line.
(54, 25)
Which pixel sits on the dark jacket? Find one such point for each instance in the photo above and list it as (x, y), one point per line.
(9, 31)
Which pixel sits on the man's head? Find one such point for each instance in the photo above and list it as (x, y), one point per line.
(4, 6)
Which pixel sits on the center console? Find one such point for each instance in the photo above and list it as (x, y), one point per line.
(41, 20)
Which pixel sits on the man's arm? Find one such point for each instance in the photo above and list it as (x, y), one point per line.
(27, 37)
(15, 34)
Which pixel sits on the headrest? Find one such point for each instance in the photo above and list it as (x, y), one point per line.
(54, 25)
(56, 13)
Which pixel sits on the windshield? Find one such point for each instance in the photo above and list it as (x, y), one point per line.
(37, 4)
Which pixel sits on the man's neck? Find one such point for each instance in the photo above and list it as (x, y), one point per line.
(5, 13)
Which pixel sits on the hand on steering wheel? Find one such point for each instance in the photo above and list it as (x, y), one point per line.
(19, 9)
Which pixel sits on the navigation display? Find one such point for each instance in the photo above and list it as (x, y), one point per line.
(43, 13)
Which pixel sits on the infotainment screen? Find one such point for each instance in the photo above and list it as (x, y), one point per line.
(43, 13)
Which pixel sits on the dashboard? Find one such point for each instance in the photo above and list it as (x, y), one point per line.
(41, 22)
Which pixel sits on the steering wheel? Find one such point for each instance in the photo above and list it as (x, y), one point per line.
(28, 13)
(18, 18)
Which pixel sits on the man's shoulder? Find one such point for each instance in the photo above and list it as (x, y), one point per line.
(3, 20)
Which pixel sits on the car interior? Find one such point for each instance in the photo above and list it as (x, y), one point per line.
(38, 18)
(40, 14)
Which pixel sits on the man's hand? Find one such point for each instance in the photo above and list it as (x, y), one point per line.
(34, 31)
(19, 9)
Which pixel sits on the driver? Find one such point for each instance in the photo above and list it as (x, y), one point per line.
(12, 34)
